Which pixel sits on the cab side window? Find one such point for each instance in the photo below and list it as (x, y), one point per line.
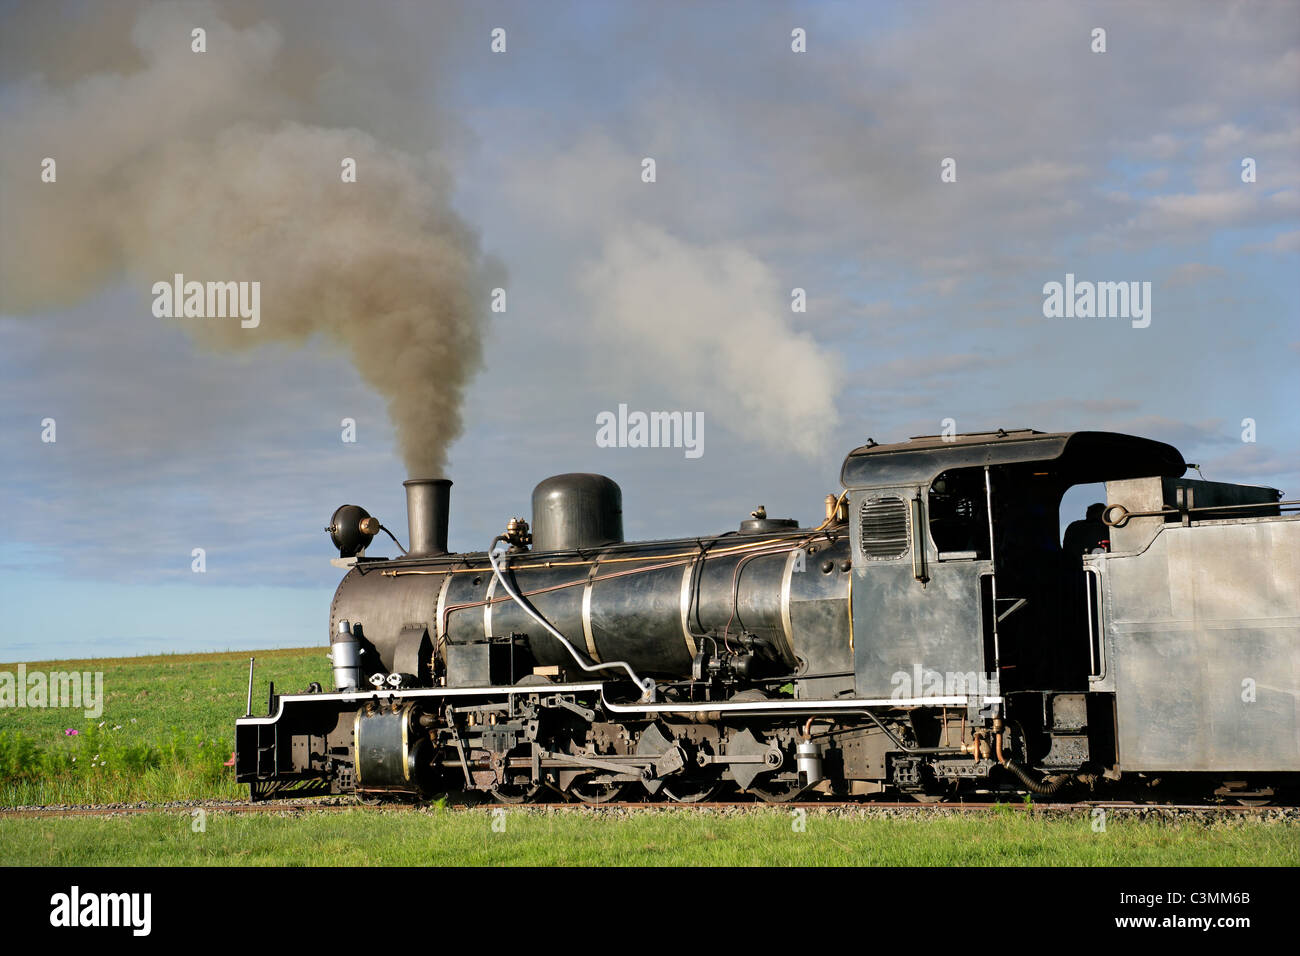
(959, 514)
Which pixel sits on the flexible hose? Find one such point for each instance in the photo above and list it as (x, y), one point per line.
(395, 541)
(647, 685)
(1032, 785)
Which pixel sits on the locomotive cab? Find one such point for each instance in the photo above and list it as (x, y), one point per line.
(959, 568)
(962, 593)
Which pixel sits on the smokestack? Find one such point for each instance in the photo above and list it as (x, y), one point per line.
(427, 504)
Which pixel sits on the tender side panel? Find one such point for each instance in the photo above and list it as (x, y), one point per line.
(1203, 635)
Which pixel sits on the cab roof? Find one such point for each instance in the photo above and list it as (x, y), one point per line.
(1075, 456)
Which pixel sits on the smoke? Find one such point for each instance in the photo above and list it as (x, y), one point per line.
(226, 166)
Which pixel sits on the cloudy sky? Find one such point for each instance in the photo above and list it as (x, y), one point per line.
(523, 170)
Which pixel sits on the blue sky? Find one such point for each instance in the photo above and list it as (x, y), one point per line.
(775, 170)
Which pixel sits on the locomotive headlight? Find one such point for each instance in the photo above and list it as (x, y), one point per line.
(351, 529)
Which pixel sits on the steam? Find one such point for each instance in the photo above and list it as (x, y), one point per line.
(196, 163)
(712, 314)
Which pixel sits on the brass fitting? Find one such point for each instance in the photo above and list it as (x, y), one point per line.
(518, 534)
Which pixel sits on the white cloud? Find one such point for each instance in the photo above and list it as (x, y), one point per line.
(712, 323)
(1284, 242)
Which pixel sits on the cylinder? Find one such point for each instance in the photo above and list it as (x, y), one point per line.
(345, 652)
(808, 759)
(390, 756)
(427, 504)
(577, 512)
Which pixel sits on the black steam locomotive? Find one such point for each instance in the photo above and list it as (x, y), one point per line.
(932, 636)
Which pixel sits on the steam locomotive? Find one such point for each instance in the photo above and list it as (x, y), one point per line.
(930, 637)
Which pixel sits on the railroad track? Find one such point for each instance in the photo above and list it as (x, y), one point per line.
(863, 808)
(210, 807)
(920, 807)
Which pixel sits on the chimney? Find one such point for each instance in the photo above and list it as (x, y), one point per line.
(427, 503)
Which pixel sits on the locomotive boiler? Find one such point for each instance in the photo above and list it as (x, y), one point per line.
(932, 635)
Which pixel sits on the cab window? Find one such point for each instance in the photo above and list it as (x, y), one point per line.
(959, 514)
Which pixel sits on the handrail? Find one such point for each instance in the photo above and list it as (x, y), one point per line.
(1116, 516)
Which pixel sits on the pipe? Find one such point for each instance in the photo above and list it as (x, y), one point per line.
(1032, 785)
(903, 747)
(799, 539)
(646, 685)
(1117, 516)
(427, 506)
(249, 709)
(781, 705)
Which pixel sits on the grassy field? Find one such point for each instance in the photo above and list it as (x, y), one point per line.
(167, 727)
(679, 837)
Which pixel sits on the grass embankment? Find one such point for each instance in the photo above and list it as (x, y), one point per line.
(1004, 837)
(167, 728)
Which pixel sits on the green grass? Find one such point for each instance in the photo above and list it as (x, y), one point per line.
(168, 725)
(671, 837)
